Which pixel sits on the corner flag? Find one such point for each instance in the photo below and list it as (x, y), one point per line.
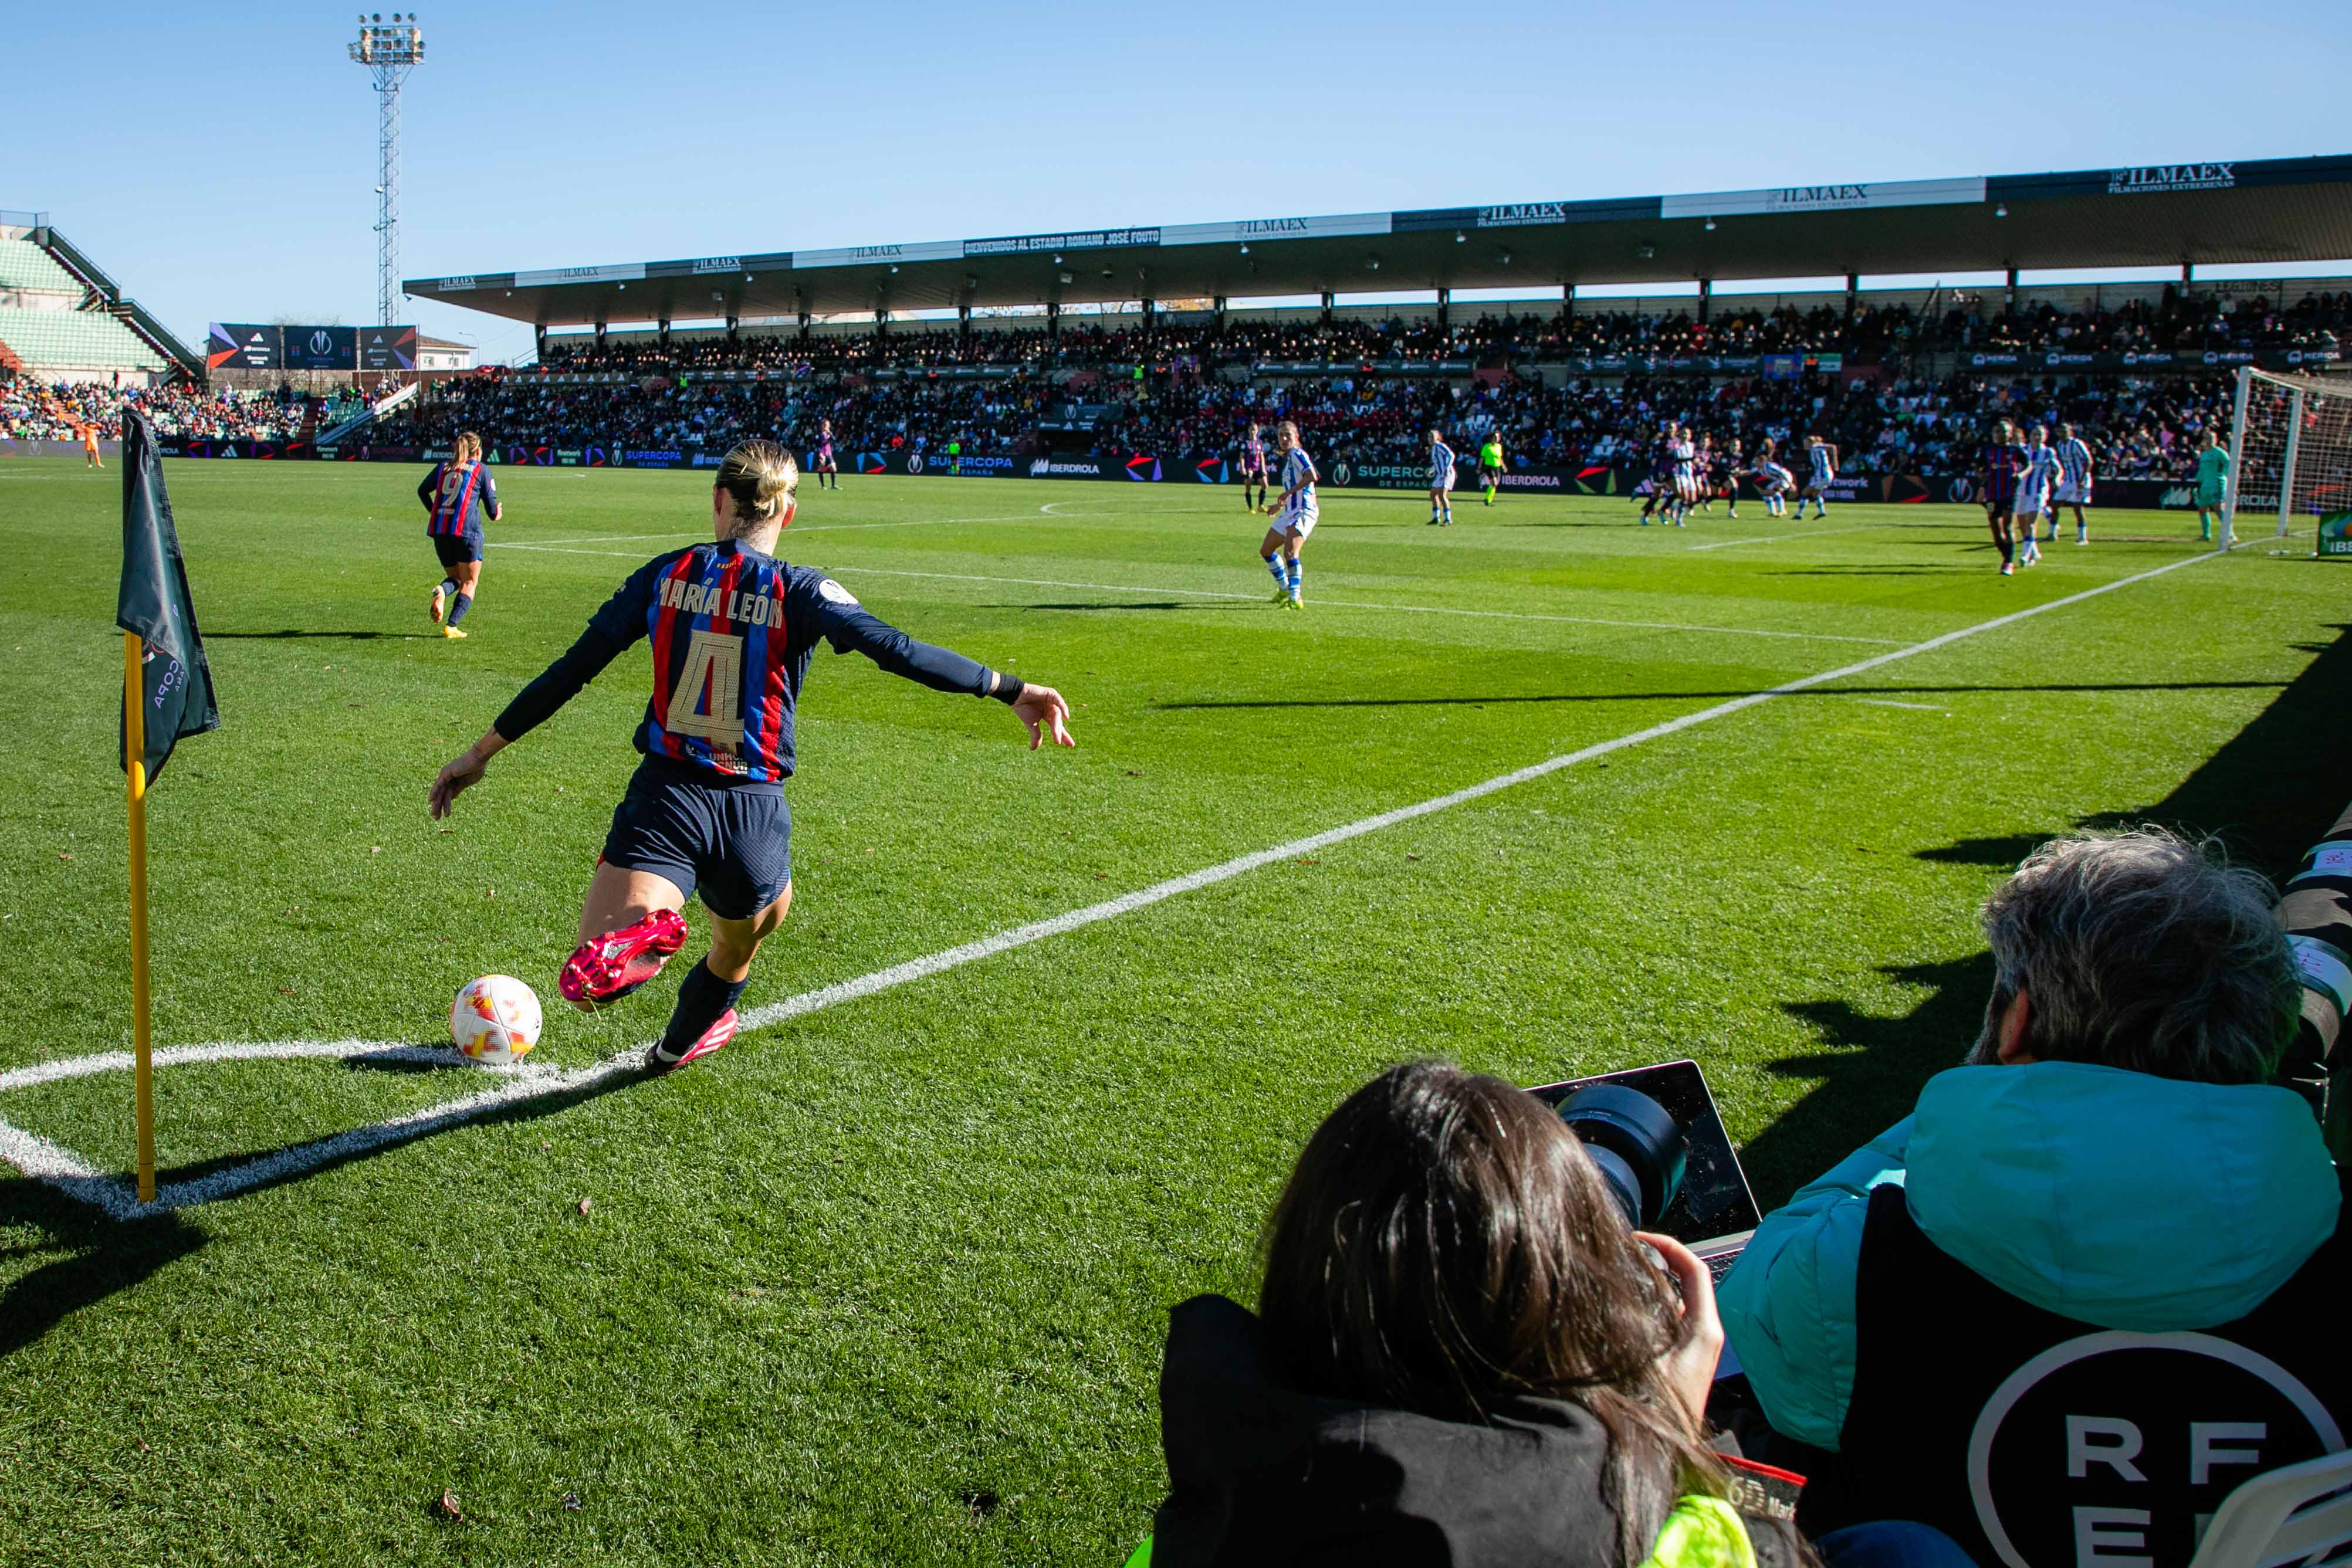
(167, 692)
(177, 686)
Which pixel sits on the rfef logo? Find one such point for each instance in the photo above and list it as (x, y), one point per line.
(2119, 1446)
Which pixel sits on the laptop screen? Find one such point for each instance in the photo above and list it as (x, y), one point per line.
(1713, 1204)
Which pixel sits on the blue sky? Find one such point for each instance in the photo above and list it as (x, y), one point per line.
(219, 161)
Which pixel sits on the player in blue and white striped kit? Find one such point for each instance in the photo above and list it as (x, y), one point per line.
(1440, 482)
(2035, 488)
(2074, 483)
(1823, 458)
(1685, 453)
(1293, 517)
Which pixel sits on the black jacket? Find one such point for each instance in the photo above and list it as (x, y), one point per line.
(1262, 1474)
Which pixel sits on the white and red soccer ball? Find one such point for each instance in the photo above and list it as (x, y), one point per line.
(495, 1019)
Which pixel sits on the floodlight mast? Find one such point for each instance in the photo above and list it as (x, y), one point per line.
(390, 50)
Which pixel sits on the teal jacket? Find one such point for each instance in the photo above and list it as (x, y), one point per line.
(2113, 1198)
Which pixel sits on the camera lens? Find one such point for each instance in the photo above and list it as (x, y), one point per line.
(1636, 1144)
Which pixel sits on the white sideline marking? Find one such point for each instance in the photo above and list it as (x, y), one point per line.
(44, 1161)
(1368, 604)
(1776, 539)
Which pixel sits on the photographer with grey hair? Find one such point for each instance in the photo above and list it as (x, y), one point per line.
(2089, 1284)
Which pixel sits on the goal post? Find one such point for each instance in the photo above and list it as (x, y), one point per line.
(2290, 459)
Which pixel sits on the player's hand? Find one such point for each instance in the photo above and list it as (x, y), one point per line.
(1042, 709)
(460, 773)
(1689, 1367)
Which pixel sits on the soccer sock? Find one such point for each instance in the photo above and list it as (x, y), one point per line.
(703, 999)
(1274, 565)
(1296, 578)
(458, 610)
(1490, 494)
(449, 588)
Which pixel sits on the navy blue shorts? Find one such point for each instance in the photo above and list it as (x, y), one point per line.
(732, 845)
(454, 548)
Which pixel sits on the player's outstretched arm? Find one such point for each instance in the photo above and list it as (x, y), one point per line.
(848, 624)
(461, 773)
(1044, 711)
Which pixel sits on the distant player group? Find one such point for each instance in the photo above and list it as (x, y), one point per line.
(1688, 473)
(2027, 481)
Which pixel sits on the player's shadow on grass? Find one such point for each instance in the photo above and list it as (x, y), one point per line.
(1872, 1070)
(341, 636)
(89, 1257)
(1725, 696)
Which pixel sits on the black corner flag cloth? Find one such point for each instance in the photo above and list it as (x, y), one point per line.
(155, 603)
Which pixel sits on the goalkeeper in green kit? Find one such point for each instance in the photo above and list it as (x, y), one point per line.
(1490, 464)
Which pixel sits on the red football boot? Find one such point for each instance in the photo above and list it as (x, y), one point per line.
(618, 962)
(714, 1038)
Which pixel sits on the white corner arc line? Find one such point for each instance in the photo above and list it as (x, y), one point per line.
(47, 1162)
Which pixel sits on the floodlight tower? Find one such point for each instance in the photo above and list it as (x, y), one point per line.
(389, 50)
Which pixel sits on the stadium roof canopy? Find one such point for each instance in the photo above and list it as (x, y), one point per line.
(2275, 210)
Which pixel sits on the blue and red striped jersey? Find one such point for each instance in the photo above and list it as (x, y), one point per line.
(2003, 462)
(732, 631)
(459, 496)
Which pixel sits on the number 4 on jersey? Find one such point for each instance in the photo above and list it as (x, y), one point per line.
(714, 670)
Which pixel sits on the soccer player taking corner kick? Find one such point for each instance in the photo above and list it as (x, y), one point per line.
(458, 495)
(732, 629)
(1293, 517)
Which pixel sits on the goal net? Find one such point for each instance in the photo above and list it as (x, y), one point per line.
(2291, 460)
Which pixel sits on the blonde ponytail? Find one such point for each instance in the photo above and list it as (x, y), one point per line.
(760, 477)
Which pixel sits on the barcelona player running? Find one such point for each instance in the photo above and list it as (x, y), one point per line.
(1252, 460)
(458, 495)
(1294, 518)
(732, 629)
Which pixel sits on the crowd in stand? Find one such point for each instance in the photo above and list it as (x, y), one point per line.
(2137, 427)
(1114, 390)
(32, 410)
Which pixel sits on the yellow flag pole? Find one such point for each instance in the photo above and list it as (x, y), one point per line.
(134, 745)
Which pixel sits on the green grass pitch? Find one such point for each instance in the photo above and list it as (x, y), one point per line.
(886, 1283)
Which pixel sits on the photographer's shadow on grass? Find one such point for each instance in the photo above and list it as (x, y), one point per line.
(1871, 1069)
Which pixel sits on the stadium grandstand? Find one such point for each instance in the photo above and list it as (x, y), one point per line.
(1103, 350)
(63, 319)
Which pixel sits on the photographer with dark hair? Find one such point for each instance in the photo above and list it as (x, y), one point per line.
(2089, 1285)
(1463, 1355)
